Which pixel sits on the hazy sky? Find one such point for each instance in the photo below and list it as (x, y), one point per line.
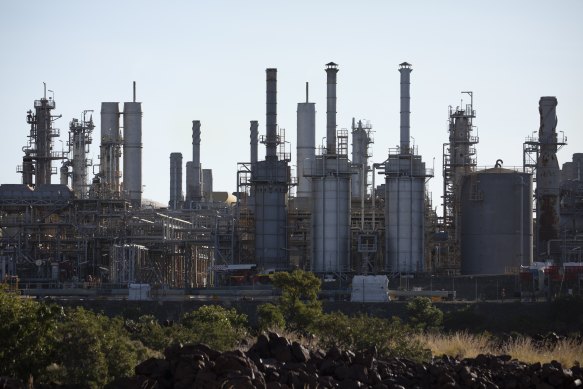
(206, 60)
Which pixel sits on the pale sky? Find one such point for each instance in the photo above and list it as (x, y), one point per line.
(206, 60)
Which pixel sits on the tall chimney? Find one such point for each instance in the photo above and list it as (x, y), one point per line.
(331, 70)
(547, 175)
(254, 136)
(197, 194)
(271, 115)
(405, 70)
(176, 198)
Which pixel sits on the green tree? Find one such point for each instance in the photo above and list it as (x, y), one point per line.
(150, 333)
(269, 317)
(27, 331)
(423, 315)
(93, 349)
(299, 298)
(213, 325)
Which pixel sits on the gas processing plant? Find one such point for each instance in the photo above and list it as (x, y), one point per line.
(340, 214)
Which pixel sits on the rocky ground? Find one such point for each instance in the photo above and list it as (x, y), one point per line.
(275, 362)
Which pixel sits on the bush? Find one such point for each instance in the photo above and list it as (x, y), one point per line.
(269, 317)
(212, 325)
(391, 337)
(423, 315)
(148, 331)
(93, 349)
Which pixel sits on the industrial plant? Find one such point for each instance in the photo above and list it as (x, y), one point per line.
(339, 213)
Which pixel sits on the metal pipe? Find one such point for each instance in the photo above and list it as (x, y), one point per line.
(331, 71)
(405, 70)
(271, 115)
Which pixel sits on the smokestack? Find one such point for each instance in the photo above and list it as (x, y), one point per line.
(271, 115)
(405, 70)
(176, 198)
(331, 70)
(189, 182)
(197, 194)
(547, 174)
(254, 136)
(132, 152)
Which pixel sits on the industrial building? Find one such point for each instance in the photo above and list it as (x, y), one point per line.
(328, 216)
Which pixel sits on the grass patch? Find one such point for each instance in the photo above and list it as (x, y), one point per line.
(465, 345)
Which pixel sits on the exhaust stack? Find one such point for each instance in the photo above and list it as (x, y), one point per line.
(405, 70)
(254, 136)
(331, 71)
(547, 175)
(197, 193)
(176, 198)
(271, 115)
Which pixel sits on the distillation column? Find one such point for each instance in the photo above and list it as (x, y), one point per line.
(110, 149)
(79, 141)
(306, 144)
(132, 152)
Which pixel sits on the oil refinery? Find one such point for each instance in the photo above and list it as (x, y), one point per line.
(338, 214)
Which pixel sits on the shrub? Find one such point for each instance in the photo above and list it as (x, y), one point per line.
(269, 317)
(359, 333)
(213, 325)
(423, 315)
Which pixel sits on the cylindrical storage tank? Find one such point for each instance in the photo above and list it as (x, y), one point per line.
(176, 198)
(110, 147)
(331, 224)
(132, 152)
(306, 145)
(404, 221)
(496, 221)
